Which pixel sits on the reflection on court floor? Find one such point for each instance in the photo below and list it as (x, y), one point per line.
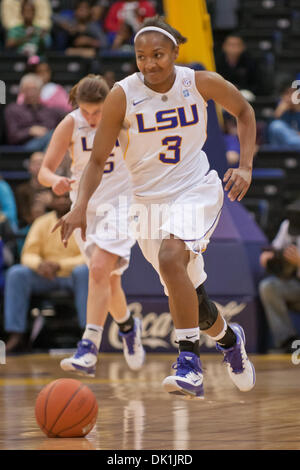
(135, 413)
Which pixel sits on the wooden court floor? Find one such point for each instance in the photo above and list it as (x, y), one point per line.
(135, 413)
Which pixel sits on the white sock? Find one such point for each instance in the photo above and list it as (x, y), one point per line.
(93, 333)
(188, 334)
(125, 318)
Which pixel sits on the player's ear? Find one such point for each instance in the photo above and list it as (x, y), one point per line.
(175, 52)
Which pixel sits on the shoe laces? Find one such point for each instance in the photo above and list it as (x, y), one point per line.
(85, 346)
(185, 366)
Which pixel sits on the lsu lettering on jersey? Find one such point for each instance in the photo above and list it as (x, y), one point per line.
(173, 122)
(162, 140)
(116, 178)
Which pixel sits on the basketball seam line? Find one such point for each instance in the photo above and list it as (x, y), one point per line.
(64, 408)
(46, 404)
(73, 425)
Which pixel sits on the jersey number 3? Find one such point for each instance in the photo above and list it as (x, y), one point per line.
(175, 147)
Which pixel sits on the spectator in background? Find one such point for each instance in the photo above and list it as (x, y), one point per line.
(11, 14)
(124, 18)
(31, 124)
(281, 291)
(99, 9)
(110, 77)
(32, 198)
(28, 38)
(46, 265)
(8, 223)
(284, 130)
(82, 35)
(231, 140)
(8, 204)
(237, 66)
(52, 94)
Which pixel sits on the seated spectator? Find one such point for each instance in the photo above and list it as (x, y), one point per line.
(124, 18)
(8, 224)
(284, 131)
(232, 143)
(11, 14)
(32, 198)
(46, 265)
(27, 38)
(99, 9)
(237, 66)
(52, 94)
(8, 204)
(31, 124)
(110, 77)
(82, 35)
(281, 291)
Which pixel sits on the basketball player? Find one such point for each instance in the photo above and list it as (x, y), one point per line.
(107, 254)
(160, 117)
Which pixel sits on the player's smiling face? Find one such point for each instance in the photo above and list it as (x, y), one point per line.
(155, 57)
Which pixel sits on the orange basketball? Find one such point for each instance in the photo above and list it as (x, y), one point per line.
(66, 408)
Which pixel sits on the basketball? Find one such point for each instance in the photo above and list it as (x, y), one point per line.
(66, 408)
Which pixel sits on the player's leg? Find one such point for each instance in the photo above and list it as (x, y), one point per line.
(183, 302)
(101, 265)
(230, 341)
(130, 329)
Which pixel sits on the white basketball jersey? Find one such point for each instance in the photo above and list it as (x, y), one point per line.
(116, 179)
(163, 135)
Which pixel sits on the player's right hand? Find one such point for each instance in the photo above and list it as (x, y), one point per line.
(62, 185)
(76, 218)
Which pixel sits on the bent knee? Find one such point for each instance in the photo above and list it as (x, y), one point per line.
(101, 266)
(268, 286)
(172, 260)
(18, 271)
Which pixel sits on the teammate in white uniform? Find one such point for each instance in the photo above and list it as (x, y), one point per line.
(160, 116)
(106, 244)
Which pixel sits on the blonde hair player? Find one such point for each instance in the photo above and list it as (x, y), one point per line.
(107, 253)
(164, 107)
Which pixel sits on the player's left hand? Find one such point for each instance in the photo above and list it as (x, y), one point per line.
(238, 181)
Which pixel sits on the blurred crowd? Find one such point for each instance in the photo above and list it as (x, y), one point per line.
(33, 26)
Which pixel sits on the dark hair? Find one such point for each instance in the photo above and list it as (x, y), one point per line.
(234, 34)
(285, 84)
(159, 22)
(90, 89)
(34, 62)
(25, 3)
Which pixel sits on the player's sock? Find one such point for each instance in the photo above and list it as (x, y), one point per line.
(227, 338)
(188, 339)
(94, 334)
(126, 323)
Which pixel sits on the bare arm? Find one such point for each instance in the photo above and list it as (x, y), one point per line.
(213, 86)
(58, 146)
(107, 133)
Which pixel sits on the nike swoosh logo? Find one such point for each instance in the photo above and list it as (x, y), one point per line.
(190, 337)
(140, 101)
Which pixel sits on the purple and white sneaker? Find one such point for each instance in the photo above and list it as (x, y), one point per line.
(240, 369)
(132, 344)
(188, 380)
(84, 360)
